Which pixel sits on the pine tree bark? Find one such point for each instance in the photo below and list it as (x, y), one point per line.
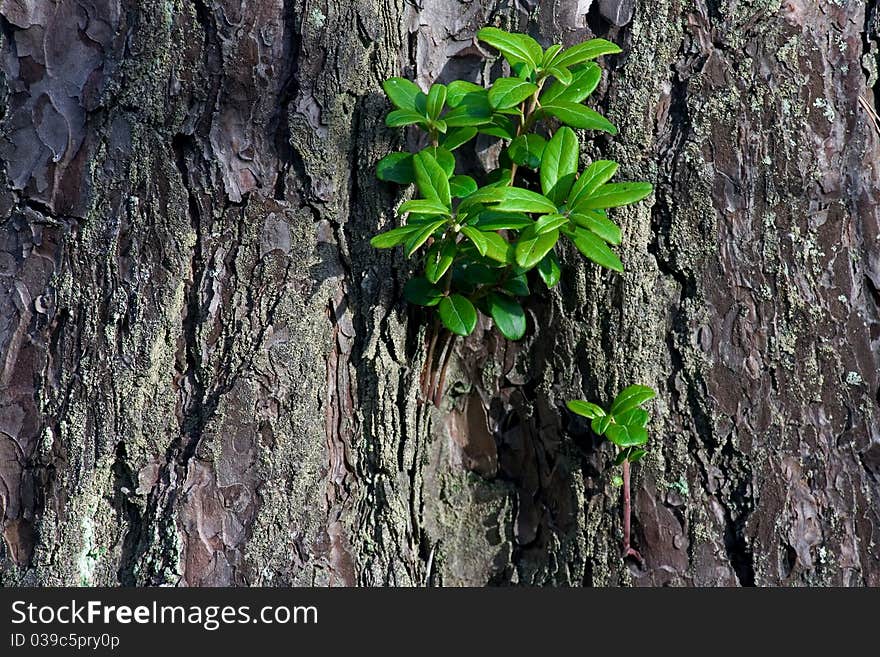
(208, 376)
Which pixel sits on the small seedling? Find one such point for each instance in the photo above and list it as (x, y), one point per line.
(476, 244)
(624, 425)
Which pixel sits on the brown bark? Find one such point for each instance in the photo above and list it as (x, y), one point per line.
(209, 377)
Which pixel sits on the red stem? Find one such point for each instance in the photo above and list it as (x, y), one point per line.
(628, 550)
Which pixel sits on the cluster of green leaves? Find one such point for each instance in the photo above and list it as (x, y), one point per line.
(477, 243)
(623, 424)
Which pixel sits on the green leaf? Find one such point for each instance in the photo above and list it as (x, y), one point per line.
(436, 98)
(561, 73)
(458, 314)
(559, 164)
(515, 47)
(421, 236)
(396, 167)
(636, 455)
(622, 456)
(402, 93)
(618, 435)
(431, 178)
(444, 158)
(499, 126)
(532, 248)
(549, 54)
(472, 109)
(393, 237)
(593, 177)
(510, 92)
(550, 222)
(602, 226)
(455, 138)
(579, 116)
(400, 117)
(478, 238)
(439, 258)
(423, 206)
(458, 89)
(526, 150)
(494, 220)
(634, 417)
(549, 269)
(626, 436)
(631, 397)
(612, 195)
(596, 250)
(460, 186)
(518, 286)
(586, 409)
(421, 292)
(585, 51)
(472, 275)
(499, 249)
(584, 82)
(600, 424)
(516, 199)
(508, 316)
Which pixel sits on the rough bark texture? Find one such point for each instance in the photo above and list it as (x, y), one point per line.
(208, 377)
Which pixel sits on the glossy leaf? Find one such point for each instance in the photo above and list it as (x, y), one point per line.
(508, 316)
(399, 118)
(518, 286)
(550, 222)
(586, 409)
(431, 178)
(461, 186)
(516, 199)
(493, 220)
(634, 417)
(579, 116)
(458, 89)
(396, 167)
(499, 249)
(456, 137)
(549, 269)
(600, 424)
(499, 126)
(526, 150)
(584, 82)
(510, 92)
(631, 397)
(421, 236)
(585, 51)
(423, 206)
(436, 99)
(472, 109)
(593, 177)
(531, 248)
(596, 250)
(596, 222)
(561, 73)
(458, 314)
(636, 455)
(393, 237)
(439, 259)
(515, 47)
(402, 93)
(477, 238)
(612, 195)
(444, 158)
(421, 292)
(559, 164)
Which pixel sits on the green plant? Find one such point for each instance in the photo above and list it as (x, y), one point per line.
(477, 243)
(624, 425)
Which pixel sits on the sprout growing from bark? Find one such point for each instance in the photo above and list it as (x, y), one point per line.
(477, 244)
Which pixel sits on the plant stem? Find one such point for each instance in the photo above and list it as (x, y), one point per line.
(443, 363)
(628, 551)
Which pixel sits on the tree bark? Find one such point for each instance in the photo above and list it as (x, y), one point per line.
(209, 377)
